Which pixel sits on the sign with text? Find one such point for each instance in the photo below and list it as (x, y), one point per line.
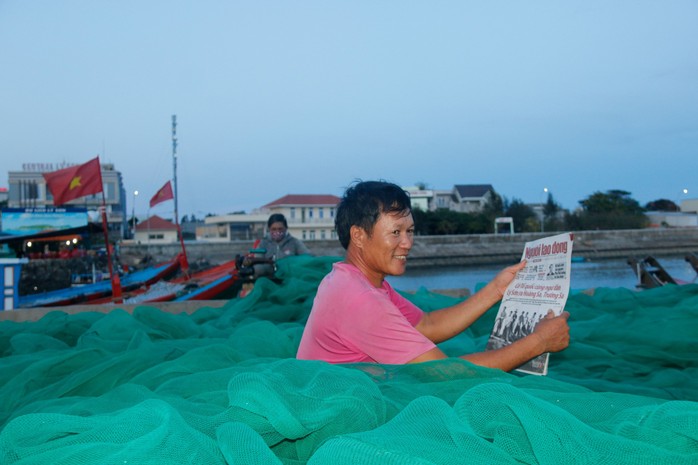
(28, 221)
(542, 285)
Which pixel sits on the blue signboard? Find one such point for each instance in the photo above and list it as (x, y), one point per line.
(28, 221)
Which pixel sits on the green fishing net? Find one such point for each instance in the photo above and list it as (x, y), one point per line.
(222, 386)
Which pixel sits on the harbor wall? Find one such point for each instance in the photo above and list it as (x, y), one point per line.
(461, 250)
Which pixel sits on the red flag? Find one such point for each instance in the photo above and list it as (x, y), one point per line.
(75, 181)
(165, 193)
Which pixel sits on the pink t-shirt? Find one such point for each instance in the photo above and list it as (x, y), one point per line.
(353, 321)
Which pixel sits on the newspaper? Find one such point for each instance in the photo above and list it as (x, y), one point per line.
(542, 285)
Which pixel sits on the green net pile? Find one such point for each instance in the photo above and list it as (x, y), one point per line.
(222, 386)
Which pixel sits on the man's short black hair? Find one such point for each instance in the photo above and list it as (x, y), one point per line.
(277, 218)
(363, 203)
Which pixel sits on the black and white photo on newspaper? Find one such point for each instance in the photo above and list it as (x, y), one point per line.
(542, 285)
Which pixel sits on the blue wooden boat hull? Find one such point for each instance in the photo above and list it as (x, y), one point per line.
(79, 294)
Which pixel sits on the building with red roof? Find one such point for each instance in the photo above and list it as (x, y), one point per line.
(309, 217)
(156, 230)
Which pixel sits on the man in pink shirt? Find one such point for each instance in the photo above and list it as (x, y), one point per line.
(358, 317)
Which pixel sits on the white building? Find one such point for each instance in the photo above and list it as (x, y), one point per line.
(27, 189)
(224, 228)
(689, 206)
(309, 217)
(467, 198)
(672, 219)
(471, 198)
(155, 230)
(442, 199)
(420, 199)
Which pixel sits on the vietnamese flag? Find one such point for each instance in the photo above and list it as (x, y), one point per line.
(75, 181)
(165, 193)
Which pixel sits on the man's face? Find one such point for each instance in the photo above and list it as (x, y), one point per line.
(387, 247)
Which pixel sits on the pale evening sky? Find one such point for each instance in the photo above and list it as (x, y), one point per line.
(278, 97)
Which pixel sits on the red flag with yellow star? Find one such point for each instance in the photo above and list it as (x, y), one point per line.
(74, 182)
(165, 193)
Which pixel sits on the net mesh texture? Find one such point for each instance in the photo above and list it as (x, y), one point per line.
(222, 386)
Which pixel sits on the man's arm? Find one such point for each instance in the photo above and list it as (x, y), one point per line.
(550, 335)
(441, 325)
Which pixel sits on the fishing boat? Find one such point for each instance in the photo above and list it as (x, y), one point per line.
(650, 273)
(208, 284)
(103, 289)
(211, 288)
(693, 260)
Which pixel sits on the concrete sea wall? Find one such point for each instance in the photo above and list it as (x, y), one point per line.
(464, 250)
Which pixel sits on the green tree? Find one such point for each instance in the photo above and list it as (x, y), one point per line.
(551, 213)
(614, 209)
(493, 208)
(661, 205)
(522, 215)
(444, 221)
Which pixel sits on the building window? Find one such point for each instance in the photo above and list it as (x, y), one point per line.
(322, 234)
(312, 235)
(334, 234)
(293, 213)
(305, 235)
(332, 212)
(109, 191)
(156, 236)
(321, 213)
(310, 213)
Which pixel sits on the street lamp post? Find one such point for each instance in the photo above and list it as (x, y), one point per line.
(542, 211)
(684, 191)
(133, 214)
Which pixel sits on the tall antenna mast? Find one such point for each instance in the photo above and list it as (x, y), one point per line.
(174, 164)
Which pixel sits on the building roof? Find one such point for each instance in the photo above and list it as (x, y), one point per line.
(473, 190)
(155, 223)
(305, 199)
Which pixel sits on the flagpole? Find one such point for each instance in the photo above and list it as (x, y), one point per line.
(185, 262)
(114, 277)
(147, 246)
(174, 166)
(73, 182)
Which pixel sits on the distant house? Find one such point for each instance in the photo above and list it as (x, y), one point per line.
(672, 219)
(233, 227)
(420, 198)
(309, 217)
(155, 230)
(689, 206)
(443, 198)
(460, 198)
(471, 198)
